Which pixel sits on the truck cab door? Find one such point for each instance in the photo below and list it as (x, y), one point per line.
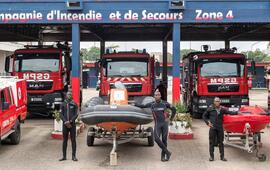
(8, 113)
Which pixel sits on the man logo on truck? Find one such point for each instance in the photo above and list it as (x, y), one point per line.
(223, 81)
(36, 76)
(209, 74)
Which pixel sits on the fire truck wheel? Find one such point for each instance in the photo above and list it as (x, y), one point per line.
(151, 137)
(15, 137)
(90, 137)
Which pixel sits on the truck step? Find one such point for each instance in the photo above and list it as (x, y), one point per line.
(7, 134)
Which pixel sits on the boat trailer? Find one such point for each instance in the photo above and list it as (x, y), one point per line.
(115, 139)
(250, 142)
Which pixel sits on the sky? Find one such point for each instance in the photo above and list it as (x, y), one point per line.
(157, 46)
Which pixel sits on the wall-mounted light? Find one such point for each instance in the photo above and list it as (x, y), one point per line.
(74, 4)
(177, 4)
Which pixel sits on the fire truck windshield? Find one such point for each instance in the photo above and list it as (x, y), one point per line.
(37, 62)
(126, 68)
(222, 68)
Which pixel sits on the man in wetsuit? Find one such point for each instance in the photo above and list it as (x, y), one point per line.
(213, 117)
(161, 118)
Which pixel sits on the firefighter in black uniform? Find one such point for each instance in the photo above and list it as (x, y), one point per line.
(161, 118)
(213, 117)
(69, 113)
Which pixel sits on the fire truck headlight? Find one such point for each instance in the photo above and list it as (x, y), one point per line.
(59, 99)
(202, 101)
(225, 100)
(244, 100)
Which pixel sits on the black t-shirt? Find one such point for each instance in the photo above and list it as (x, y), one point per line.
(158, 110)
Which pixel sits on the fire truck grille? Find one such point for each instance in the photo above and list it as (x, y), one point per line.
(223, 88)
(131, 87)
(39, 85)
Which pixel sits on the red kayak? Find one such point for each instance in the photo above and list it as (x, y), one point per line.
(252, 116)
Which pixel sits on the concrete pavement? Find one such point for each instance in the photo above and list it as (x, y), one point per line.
(38, 150)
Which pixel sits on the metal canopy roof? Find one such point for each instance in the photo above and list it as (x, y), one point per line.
(241, 20)
(136, 32)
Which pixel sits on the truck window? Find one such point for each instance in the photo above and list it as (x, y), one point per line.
(122, 68)
(25, 62)
(9, 94)
(3, 99)
(6, 96)
(222, 68)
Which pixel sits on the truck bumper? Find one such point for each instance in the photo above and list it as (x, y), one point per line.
(40, 102)
(203, 102)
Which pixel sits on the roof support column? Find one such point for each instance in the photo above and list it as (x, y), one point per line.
(76, 66)
(176, 60)
(164, 66)
(227, 44)
(102, 48)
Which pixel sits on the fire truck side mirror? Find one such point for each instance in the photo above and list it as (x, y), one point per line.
(97, 68)
(68, 64)
(157, 68)
(186, 69)
(7, 64)
(253, 67)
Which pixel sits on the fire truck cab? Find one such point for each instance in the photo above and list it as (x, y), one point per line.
(47, 71)
(221, 73)
(136, 70)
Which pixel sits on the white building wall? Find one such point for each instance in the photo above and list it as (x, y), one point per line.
(7, 49)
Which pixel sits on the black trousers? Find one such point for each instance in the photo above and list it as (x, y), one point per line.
(72, 132)
(216, 137)
(161, 129)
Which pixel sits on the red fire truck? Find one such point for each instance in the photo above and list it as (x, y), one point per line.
(134, 69)
(221, 73)
(47, 71)
(13, 110)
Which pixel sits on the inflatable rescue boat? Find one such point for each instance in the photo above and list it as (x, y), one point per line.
(117, 115)
(252, 116)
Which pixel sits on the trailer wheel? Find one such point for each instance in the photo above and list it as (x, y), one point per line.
(15, 137)
(90, 138)
(262, 157)
(151, 137)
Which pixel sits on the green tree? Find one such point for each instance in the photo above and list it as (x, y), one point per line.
(257, 55)
(93, 53)
(183, 52)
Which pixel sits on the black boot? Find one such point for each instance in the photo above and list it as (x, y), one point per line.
(211, 157)
(63, 159)
(163, 156)
(168, 156)
(74, 158)
(223, 159)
